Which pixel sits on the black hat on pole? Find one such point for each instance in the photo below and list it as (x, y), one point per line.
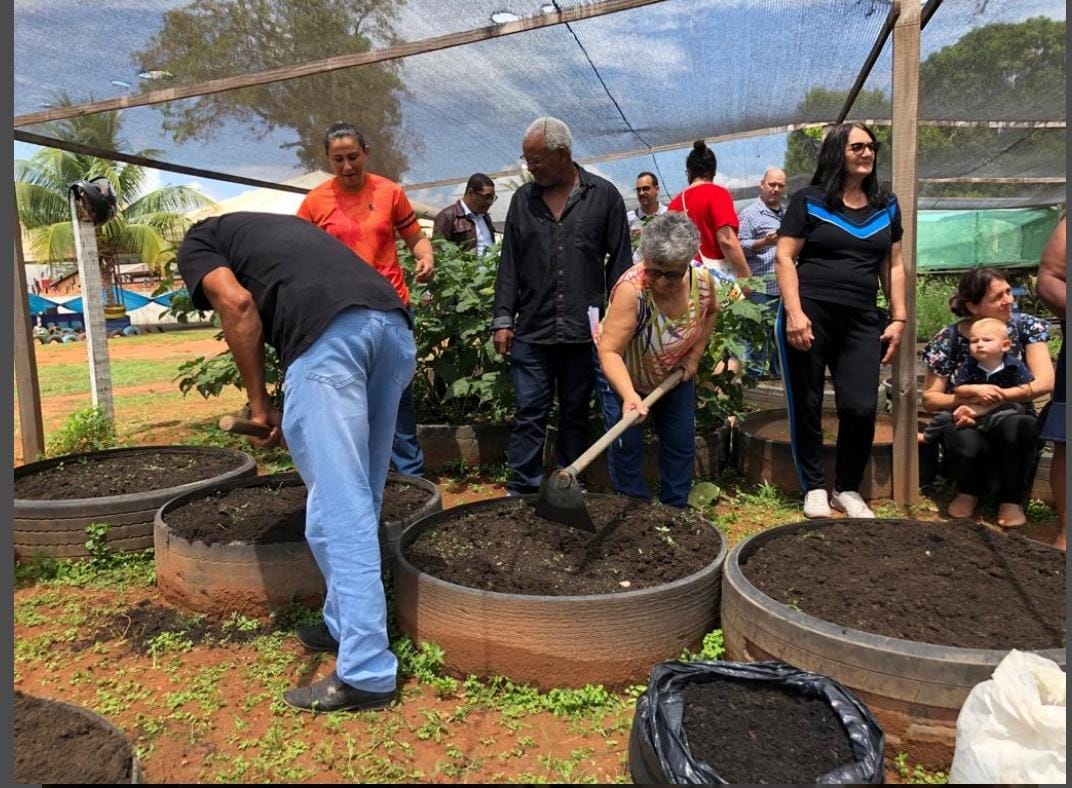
(98, 196)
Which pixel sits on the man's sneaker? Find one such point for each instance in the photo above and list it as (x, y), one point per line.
(332, 694)
(852, 504)
(816, 504)
(316, 637)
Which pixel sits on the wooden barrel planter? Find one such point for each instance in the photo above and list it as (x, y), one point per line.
(55, 526)
(764, 453)
(914, 688)
(60, 743)
(220, 578)
(610, 638)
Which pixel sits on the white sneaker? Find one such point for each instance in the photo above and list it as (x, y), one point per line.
(852, 504)
(816, 504)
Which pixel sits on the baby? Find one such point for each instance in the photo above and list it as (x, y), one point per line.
(990, 364)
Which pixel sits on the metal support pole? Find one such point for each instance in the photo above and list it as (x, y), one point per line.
(100, 374)
(905, 117)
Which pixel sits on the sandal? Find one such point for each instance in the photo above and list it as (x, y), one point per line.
(963, 506)
(1011, 515)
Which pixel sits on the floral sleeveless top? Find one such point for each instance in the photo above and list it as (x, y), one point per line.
(659, 342)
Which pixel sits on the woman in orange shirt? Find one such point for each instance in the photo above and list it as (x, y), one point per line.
(364, 211)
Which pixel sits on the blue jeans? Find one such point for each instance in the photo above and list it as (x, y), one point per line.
(674, 417)
(406, 454)
(757, 358)
(342, 398)
(541, 373)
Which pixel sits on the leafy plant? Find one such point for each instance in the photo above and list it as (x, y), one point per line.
(714, 647)
(87, 429)
(740, 324)
(932, 305)
(460, 378)
(916, 773)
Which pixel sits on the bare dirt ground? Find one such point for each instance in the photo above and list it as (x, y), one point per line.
(171, 415)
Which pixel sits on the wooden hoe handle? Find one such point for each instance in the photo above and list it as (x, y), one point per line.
(241, 426)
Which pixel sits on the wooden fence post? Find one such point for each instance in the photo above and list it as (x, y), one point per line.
(905, 118)
(31, 426)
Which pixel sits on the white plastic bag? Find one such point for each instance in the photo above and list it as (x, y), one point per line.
(1012, 727)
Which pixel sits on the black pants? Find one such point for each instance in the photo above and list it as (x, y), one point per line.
(1008, 449)
(542, 373)
(846, 341)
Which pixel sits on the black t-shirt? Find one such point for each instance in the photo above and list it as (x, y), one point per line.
(299, 276)
(843, 248)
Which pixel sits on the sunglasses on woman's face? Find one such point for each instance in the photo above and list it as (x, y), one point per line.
(658, 273)
(859, 147)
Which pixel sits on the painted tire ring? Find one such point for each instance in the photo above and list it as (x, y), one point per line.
(914, 689)
(250, 579)
(553, 641)
(58, 527)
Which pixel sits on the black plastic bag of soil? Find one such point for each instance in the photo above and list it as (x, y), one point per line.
(658, 748)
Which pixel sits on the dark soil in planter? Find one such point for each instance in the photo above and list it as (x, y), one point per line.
(263, 515)
(56, 745)
(509, 549)
(778, 430)
(751, 732)
(122, 475)
(954, 584)
(142, 623)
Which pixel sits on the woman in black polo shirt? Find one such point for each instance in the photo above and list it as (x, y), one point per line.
(839, 240)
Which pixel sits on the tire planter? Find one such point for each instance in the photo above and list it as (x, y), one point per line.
(63, 746)
(58, 528)
(553, 641)
(770, 395)
(771, 460)
(253, 580)
(473, 444)
(915, 690)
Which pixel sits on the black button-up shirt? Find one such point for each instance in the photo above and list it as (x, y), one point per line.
(551, 271)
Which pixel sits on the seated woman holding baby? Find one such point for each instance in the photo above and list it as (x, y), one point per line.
(984, 372)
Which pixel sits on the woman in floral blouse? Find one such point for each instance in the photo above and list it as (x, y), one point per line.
(661, 315)
(1009, 448)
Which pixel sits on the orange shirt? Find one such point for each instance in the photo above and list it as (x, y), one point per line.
(366, 221)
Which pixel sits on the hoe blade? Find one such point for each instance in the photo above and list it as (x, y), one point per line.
(561, 501)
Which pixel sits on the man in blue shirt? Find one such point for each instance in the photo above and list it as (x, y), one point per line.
(758, 235)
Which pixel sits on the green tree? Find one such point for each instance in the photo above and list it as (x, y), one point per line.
(1000, 70)
(209, 39)
(148, 225)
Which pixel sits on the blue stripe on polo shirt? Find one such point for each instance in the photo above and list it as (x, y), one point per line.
(878, 221)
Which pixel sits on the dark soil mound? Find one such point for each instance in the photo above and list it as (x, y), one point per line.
(401, 501)
(123, 474)
(751, 732)
(270, 514)
(55, 744)
(507, 548)
(143, 623)
(953, 584)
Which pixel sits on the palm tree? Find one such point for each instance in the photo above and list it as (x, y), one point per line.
(147, 226)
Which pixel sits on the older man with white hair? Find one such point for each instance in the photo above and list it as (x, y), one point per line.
(758, 234)
(565, 243)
